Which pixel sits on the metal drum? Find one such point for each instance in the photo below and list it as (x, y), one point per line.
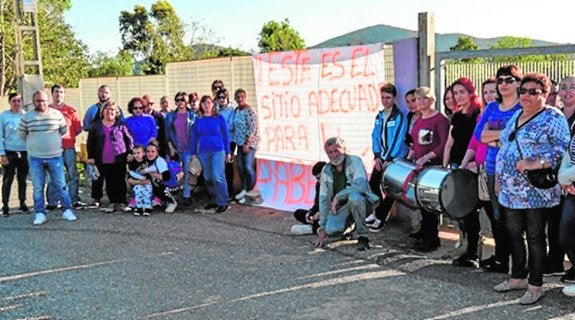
(451, 191)
(398, 182)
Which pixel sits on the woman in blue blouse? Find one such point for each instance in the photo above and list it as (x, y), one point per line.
(211, 142)
(535, 137)
(142, 125)
(488, 130)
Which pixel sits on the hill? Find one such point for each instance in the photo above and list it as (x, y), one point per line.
(386, 34)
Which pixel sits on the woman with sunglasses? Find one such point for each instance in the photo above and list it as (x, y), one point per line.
(141, 124)
(488, 129)
(179, 125)
(535, 137)
(227, 110)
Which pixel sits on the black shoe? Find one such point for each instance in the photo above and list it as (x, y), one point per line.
(497, 267)
(210, 206)
(569, 276)
(487, 261)
(51, 207)
(417, 235)
(5, 211)
(221, 209)
(464, 261)
(78, 205)
(550, 269)
(376, 226)
(138, 212)
(428, 245)
(147, 212)
(24, 208)
(362, 244)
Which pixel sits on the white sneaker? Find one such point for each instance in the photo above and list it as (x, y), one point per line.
(302, 229)
(370, 219)
(240, 195)
(69, 215)
(39, 218)
(242, 201)
(171, 207)
(252, 194)
(569, 291)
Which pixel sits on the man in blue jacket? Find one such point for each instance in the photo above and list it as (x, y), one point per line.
(388, 143)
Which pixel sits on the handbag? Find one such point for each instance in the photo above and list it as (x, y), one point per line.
(482, 184)
(544, 178)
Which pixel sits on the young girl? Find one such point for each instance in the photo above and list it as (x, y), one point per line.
(159, 172)
(140, 182)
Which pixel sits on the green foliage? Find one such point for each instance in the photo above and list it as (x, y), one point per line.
(279, 37)
(154, 37)
(465, 43)
(64, 58)
(231, 52)
(518, 42)
(104, 65)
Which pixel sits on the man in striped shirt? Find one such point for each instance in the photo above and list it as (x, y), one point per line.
(42, 129)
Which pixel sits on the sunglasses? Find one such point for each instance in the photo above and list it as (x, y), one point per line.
(138, 108)
(531, 91)
(507, 80)
(221, 97)
(180, 100)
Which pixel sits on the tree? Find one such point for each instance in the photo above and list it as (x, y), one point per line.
(64, 58)
(465, 43)
(279, 37)
(518, 42)
(104, 65)
(154, 38)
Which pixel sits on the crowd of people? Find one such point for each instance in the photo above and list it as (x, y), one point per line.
(518, 139)
(519, 142)
(143, 160)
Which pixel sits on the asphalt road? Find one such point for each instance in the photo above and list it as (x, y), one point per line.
(242, 264)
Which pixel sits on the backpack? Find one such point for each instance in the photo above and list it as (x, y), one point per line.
(176, 176)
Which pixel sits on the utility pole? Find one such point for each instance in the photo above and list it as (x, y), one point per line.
(28, 64)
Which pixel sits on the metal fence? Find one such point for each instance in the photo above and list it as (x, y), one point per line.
(479, 72)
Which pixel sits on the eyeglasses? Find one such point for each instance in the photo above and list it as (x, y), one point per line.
(507, 80)
(180, 100)
(138, 108)
(221, 97)
(531, 91)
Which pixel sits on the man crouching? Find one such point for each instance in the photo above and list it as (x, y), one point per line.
(343, 191)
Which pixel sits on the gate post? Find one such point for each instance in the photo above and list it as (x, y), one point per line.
(426, 49)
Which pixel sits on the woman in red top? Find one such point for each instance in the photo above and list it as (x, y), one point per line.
(429, 134)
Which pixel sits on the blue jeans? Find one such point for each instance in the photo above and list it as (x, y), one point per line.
(69, 158)
(356, 206)
(55, 168)
(213, 169)
(531, 222)
(247, 168)
(185, 157)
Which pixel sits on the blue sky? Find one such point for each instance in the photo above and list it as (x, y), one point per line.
(238, 24)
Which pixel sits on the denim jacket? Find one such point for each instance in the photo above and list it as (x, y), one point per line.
(395, 127)
(171, 129)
